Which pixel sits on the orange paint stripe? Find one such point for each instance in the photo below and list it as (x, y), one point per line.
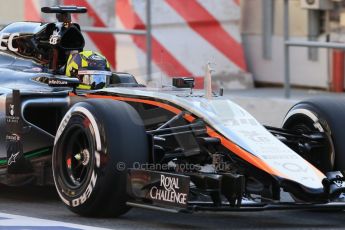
(225, 142)
(244, 154)
(317, 171)
(156, 103)
(250, 158)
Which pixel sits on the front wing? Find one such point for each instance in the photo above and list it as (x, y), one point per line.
(174, 192)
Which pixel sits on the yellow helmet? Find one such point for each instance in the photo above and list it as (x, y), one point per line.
(90, 67)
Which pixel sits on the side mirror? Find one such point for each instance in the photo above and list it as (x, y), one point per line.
(183, 82)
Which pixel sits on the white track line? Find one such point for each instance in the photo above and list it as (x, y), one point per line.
(23, 222)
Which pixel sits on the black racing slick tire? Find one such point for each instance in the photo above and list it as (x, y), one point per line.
(325, 115)
(94, 138)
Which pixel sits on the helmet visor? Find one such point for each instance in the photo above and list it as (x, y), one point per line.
(94, 79)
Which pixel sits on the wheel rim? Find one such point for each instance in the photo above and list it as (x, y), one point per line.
(76, 157)
(303, 123)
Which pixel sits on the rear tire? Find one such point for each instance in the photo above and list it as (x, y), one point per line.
(325, 115)
(94, 138)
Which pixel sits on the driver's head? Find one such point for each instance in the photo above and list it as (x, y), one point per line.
(91, 68)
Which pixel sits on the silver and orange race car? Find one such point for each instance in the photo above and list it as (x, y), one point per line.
(168, 149)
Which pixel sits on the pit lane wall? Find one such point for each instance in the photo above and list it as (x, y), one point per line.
(188, 34)
(308, 67)
(185, 36)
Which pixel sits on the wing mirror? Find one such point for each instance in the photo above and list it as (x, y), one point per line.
(183, 82)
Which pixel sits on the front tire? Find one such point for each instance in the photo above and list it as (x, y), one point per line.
(94, 137)
(325, 115)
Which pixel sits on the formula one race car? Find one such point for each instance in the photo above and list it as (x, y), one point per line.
(169, 149)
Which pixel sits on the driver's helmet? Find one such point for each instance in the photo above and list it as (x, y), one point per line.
(92, 69)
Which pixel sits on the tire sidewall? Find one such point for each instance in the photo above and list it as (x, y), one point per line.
(112, 125)
(88, 191)
(322, 123)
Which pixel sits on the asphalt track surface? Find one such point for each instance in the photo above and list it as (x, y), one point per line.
(43, 203)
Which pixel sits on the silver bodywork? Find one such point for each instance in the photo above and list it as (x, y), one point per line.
(240, 128)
